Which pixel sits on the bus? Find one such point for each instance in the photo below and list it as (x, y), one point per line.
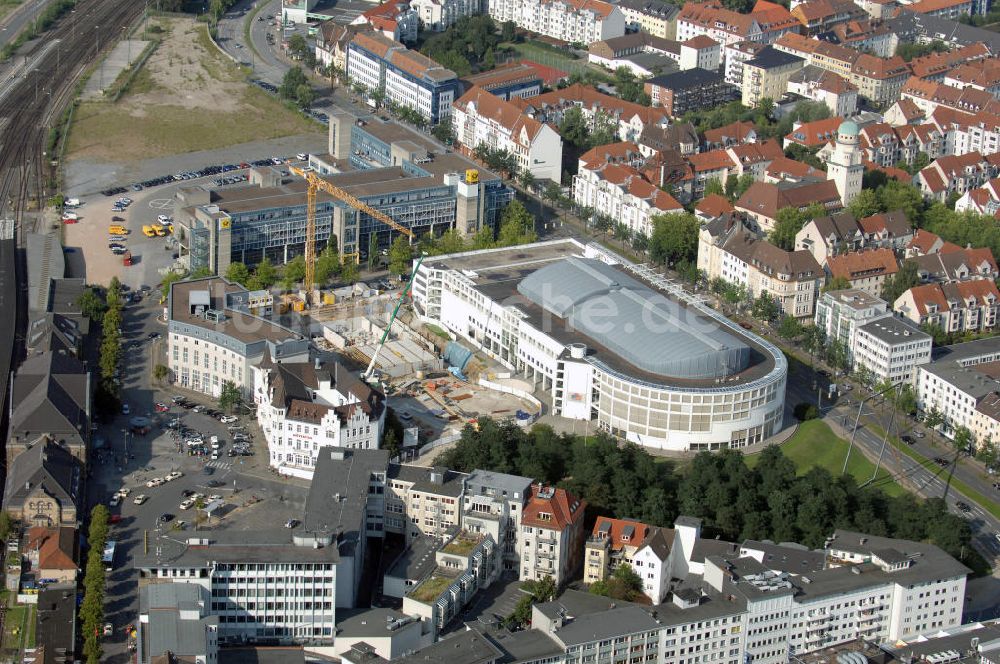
(109, 556)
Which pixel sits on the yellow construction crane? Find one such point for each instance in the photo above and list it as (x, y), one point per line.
(316, 183)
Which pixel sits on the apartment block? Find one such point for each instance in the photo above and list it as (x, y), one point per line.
(579, 21)
(966, 306)
(655, 17)
(866, 270)
(957, 174)
(692, 90)
(393, 19)
(891, 348)
(819, 16)
(405, 78)
(765, 23)
(508, 81)
(439, 15)
(728, 250)
(552, 534)
(840, 313)
(961, 385)
(481, 118)
(841, 233)
(766, 75)
(817, 84)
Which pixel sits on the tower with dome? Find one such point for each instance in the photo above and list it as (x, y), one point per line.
(844, 165)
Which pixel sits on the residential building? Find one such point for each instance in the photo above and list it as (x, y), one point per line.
(729, 135)
(175, 624)
(925, 243)
(598, 109)
(700, 52)
(423, 503)
(956, 174)
(891, 349)
(691, 90)
(552, 534)
(589, 372)
(50, 399)
(394, 169)
(655, 17)
(639, 52)
(783, 169)
(766, 75)
(574, 21)
(608, 184)
(880, 80)
(728, 250)
(493, 503)
(984, 200)
(403, 77)
(514, 79)
(762, 200)
(394, 19)
(960, 384)
(765, 23)
(439, 15)
(863, 35)
(928, 96)
(982, 74)
(44, 486)
(332, 41)
(612, 542)
(481, 118)
(305, 406)
(813, 134)
(679, 137)
(887, 229)
(817, 84)
(213, 338)
(819, 16)
(712, 207)
(843, 166)
(965, 306)
(947, 9)
(886, 146)
(53, 552)
(957, 265)
(839, 313)
(934, 66)
(734, 55)
(913, 27)
(830, 235)
(866, 270)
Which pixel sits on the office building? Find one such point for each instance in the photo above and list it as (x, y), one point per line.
(612, 374)
(891, 348)
(214, 336)
(961, 385)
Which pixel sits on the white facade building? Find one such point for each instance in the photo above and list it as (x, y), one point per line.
(581, 21)
(438, 15)
(304, 407)
(212, 336)
(480, 118)
(627, 381)
(844, 165)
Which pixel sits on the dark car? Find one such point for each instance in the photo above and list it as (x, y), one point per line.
(164, 518)
(964, 506)
(187, 493)
(907, 439)
(207, 470)
(941, 461)
(214, 483)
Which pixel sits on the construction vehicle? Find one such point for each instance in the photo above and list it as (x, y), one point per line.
(367, 375)
(316, 183)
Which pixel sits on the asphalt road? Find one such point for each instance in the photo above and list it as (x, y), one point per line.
(18, 19)
(156, 454)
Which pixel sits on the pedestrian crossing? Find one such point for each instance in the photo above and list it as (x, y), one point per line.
(220, 464)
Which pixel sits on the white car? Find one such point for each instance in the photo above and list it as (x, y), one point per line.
(163, 218)
(302, 156)
(140, 499)
(214, 440)
(194, 442)
(175, 474)
(215, 455)
(187, 504)
(156, 481)
(70, 216)
(215, 496)
(124, 492)
(115, 500)
(228, 419)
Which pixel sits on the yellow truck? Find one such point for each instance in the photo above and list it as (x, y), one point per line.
(116, 229)
(159, 230)
(148, 231)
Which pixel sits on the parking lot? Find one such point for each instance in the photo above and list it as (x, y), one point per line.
(87, 238)
(252, 496)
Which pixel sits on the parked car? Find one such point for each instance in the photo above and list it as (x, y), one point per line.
(140, 499)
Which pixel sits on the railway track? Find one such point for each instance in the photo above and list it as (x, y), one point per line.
(35, 100)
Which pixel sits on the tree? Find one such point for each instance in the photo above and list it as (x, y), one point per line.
(169, 278)
(230, 396)
(906, 278)
(289, 87)
(790, 327)
(543, 590)
(962, 441)
(305, 95)
(264, 275)
(400, 256)
(91, 304)
(238, 273)
(788, 222)
(623, 584)
(160, 372)
(517, 226)
(674, 238)
(765, 308)
(327, 264)
(294, 271)
(6, 525)
(349, 272)
(837, 283)
(805, 411)
(444, 131)
(933, 419)
(508, 31)
(907, 400)
(714, 186)
(865, 204)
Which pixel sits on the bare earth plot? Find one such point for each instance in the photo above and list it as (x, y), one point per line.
(188, 97)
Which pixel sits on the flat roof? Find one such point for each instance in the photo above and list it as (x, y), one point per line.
(894, 330)
(236, 324)
(418, 560)
(497, 273)
(338, 494)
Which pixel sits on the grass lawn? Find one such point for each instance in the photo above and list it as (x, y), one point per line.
(815, 444)
(7, 6)
(19, 625)
(547, 57)
(430, 589)
(188, 97)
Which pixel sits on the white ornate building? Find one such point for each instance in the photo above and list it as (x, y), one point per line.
(844, 166)
(303, 407)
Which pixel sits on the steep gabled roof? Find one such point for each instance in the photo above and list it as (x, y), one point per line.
(863, 264)
(552, 508)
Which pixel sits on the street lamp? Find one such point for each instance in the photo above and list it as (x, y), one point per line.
(854, 432)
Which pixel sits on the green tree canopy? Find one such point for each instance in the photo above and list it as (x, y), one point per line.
(400, 256)
(674, 238)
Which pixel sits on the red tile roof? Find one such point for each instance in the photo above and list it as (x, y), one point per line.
(700, 42)
(614, 529)
(784, 168)
(815, 133)
(710, 161)
(714, 205)
(504, 113)
(979, 291)
(552, 508)
(736, 132)
(863, 264)
(549, 75)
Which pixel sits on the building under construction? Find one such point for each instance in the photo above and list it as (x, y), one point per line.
(397, 171)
